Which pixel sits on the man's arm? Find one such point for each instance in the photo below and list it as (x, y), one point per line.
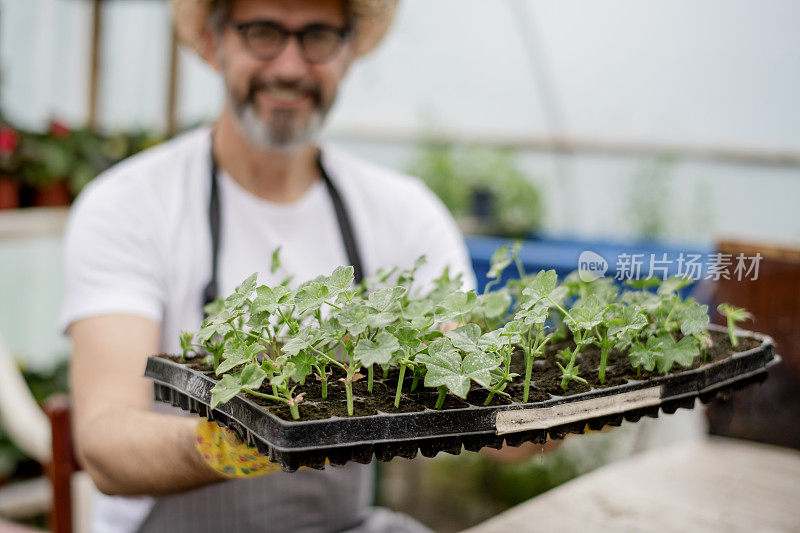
(126, 448)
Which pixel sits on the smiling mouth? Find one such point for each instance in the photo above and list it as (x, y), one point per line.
(285, 97)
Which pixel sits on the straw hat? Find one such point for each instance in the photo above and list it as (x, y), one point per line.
(372, 20)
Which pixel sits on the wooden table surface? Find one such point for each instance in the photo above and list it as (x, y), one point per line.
(711, 485)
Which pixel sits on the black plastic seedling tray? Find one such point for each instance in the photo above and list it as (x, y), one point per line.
(337, 440)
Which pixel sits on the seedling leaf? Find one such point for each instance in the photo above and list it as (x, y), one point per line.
(236, 356)
(588, 315)
(225, 389)
(629, 320)
(381, 319)
(275, 264)
(694, 319)
(499, 262)
(682, 352)
(465, 338)
(643, 283)
(446, 369)
(353, 317)
(493, 304)
(269, 300)
(385, 299)
(646, 356)
(240, 294)
(478, 367)
(303, 365)
(301, 341)
(311, 295)
(543, 288)
(455, 305)
(443, 367)
(340, 280)
(673, 285)
(513, 331)
(252, 376)
(378, 352)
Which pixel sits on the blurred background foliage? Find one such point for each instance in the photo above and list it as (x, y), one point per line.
(50, 168)
(483, 188)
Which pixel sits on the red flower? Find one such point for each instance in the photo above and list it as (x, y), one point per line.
(9, 139)
(58, 129)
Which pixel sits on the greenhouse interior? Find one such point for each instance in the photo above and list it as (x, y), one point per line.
(399, 265)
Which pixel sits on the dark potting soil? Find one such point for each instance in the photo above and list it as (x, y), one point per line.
(545, 383)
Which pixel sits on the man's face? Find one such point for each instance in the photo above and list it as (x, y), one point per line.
(280, 103)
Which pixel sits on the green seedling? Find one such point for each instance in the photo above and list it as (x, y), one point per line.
(446, 370)
(570, 371)
(268, 341)
(733, 315)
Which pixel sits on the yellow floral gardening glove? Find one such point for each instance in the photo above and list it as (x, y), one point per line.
(225, 453)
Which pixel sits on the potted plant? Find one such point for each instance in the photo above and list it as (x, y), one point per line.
(48, 160)
(331, 370)
(90, 152)
(9, 167)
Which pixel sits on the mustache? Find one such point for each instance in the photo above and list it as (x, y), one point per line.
(308, 88)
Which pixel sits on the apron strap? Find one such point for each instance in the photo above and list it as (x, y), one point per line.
(210, 291)
(345, 226)
(342, 217)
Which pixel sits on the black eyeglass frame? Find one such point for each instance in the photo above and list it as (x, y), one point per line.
(342, 34)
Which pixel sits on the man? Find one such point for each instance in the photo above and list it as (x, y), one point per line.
(153, 239)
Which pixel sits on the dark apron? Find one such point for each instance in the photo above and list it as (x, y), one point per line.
(308, 501)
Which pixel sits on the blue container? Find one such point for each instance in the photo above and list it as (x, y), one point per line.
(622, 260)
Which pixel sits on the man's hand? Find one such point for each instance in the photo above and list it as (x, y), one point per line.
(509, 454)
(126, 448)
(226, 454)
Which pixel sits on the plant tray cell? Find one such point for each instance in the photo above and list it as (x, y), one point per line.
(383, 436)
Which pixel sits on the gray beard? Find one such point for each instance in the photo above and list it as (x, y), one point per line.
(279, 133)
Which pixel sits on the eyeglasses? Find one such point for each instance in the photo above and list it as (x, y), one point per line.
(266, 40)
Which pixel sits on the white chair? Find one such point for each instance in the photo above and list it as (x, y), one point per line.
(70, 493)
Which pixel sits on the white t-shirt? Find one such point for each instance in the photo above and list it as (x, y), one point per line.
(138, 242)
